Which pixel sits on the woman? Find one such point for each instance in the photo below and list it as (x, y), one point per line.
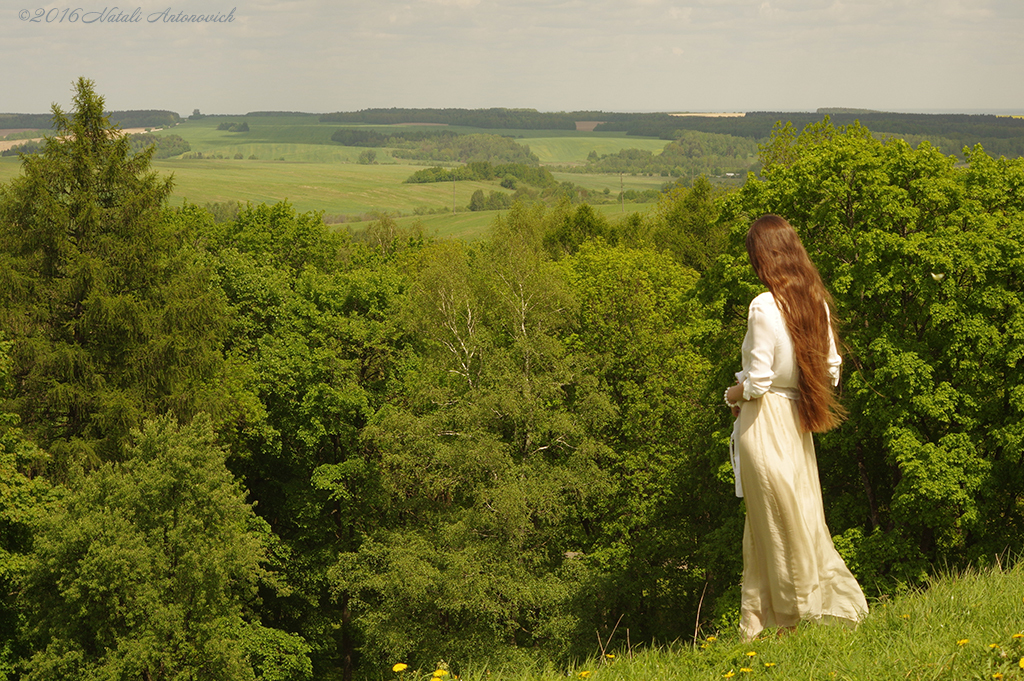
(791, 570)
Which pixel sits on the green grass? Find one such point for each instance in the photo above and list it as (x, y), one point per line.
(10, 167)
(331, 187)
(960, 627)
(575, 149)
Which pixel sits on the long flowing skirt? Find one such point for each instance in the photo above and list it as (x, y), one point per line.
(791, 570)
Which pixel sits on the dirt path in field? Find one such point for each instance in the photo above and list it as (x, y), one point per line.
(7, 144)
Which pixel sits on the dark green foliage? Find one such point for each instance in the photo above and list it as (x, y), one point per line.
(440, 145)
(234, 126)
(147, 569)
(469, 149)
(1000, 135)
(143, 119)
(23, 497)
(361, 137)
(572, 227)
(691, 154)
(522, 119)
(493, 201)
(686, 225)
(166, 145)
(122, 119)
(10, 121)
(483, 170)
(109, 305)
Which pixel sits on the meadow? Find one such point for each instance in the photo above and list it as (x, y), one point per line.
(960, 626)
(290, 157)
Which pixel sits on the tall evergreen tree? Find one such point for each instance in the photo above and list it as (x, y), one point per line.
(108, 304)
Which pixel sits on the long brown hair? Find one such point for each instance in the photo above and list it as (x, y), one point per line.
(781, 263)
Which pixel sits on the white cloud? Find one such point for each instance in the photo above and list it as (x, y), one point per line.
(694, 54)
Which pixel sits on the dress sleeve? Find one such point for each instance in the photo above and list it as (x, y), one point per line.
(761, 340)
(835, 362)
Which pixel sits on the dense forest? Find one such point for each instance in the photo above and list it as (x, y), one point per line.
(125, 119)
(259, 448)
(999, 135)
(496, 119)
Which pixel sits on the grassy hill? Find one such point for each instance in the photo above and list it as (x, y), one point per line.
(968, 626)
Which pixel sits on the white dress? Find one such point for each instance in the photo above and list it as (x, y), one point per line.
(791, 570)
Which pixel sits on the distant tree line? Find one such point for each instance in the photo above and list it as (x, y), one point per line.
(360, 137)
(469, 149)
(692, 154)
(26, 148)
(497, 118)
(23, 135)
(144, 119)
(36, 121)
(150, 118)
(440, 145)
(509, 173)
(166, 146)
(1000, 135)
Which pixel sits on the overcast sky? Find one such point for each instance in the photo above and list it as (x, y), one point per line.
(613, 55)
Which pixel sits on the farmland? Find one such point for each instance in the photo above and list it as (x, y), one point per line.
(291, 157)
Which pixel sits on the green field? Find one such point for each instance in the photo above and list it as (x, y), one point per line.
(575, 149)
(303, 138)
(292, 158)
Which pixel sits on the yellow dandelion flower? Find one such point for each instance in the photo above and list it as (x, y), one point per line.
(400, 667)
(440, 673)
(906, 617)
(997, 676)
(993, 646)
(746, 670)
(585, 674)
(1021, 663)
(610, 656)
(711, 638)
(769, 664)
(703, 646)
(963, 641)
(729, 674)
(752, 653)
(1018, 636)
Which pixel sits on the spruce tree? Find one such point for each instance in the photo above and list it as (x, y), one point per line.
(106, 301)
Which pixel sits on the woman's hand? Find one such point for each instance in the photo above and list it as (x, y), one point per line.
(734, 395)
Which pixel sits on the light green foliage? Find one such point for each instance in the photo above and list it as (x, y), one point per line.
(482, 457)
(924, 259)
(313, 335)
(23, 495)
(146, 569)
(536, 449)
(636, 336)
(109, 305)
